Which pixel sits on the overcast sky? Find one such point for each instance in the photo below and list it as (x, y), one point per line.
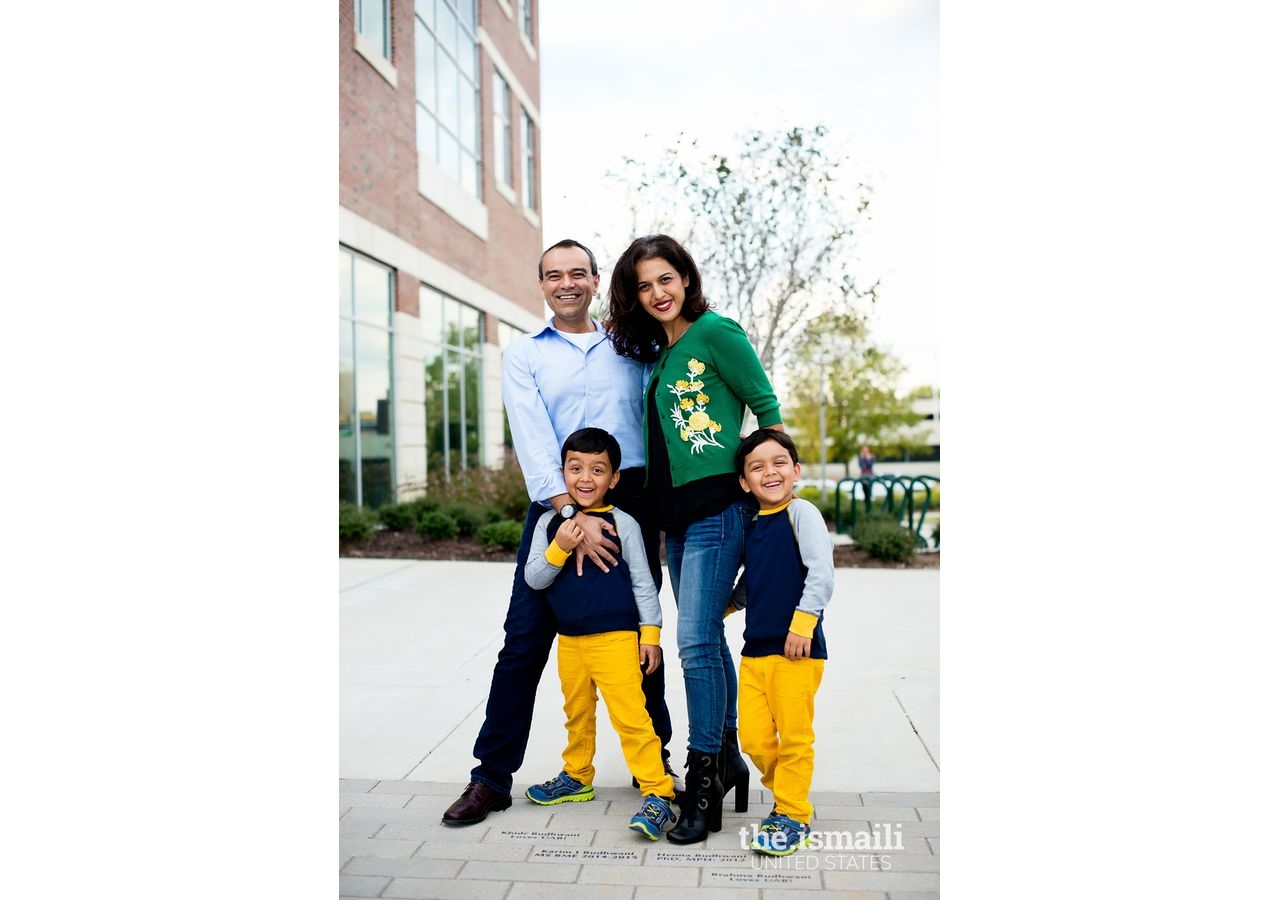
(620, 78)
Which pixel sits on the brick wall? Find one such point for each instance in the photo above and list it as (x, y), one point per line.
(378, 162)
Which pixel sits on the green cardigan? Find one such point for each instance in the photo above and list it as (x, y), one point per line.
(703, 384)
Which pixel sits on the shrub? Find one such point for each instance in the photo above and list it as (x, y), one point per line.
(400, 516)
(355, 523)
(502, 488)
(504, 533)
(437, 525)
(886, 540)
(470, 518)
(875, 518)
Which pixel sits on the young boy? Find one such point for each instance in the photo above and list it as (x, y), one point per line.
(787, 579)
(597, 616)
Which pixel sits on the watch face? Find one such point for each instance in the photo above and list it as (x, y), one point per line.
(568, 511)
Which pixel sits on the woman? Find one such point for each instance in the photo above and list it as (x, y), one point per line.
(705, 372)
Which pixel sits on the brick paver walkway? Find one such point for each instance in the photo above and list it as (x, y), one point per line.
(392, 844)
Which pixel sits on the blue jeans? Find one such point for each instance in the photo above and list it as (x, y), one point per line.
(530, 631)
(703, 565)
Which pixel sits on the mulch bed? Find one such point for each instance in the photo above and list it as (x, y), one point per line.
(410, 545)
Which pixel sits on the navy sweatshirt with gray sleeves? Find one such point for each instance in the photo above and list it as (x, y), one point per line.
(788, 566)
(596, 602)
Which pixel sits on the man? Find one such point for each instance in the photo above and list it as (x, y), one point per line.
(565, 377)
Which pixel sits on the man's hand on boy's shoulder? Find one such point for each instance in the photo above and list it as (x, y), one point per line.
(650, 656)
(797, 647)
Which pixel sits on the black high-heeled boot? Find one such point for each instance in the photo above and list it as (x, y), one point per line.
(733, 770)
(703, 794)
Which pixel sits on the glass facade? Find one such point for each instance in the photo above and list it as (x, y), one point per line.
(447, 63)
(454, 397)
(366, 472)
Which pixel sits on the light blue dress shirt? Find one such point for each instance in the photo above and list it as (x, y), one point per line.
(551, 388)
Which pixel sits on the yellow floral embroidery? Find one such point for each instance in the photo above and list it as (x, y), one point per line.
(699, 429)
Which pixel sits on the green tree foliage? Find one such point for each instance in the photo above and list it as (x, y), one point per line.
(768, 223)
(835, 357)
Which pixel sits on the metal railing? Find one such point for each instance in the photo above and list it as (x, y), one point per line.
(898, 500)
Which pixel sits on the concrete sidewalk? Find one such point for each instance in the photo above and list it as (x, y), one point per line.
(418, 642)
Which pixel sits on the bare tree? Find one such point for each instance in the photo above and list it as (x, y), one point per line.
(767, 223)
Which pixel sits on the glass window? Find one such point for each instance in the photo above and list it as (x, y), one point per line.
(528, 168)
(506, 334)
(346, 293)
(453, 377)
(427, 136)
(372, 290)
(502, 131)
(524, 14)
(373, 21)
(366, 472)
(424, 63)
(448, 97)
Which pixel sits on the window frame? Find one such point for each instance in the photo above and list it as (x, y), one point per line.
(528, 162)
(503, 158)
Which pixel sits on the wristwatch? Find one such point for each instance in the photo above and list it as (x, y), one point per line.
(568, 511)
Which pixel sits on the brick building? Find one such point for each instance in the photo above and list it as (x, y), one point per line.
(438, 233)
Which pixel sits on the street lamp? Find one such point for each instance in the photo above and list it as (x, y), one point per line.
(824, 356)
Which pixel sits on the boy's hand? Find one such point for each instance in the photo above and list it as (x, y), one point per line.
(595, 544)
(797, 647)
(568, 536)
(650, 656)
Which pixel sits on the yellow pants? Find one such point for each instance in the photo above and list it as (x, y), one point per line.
(775, 725)
(611, 662)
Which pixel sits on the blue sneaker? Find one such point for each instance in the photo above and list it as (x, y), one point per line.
(655, 813)
(561, 789)
(780, 835)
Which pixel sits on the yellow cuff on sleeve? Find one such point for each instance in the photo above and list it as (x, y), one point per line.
(803, 623)
(555, 555)
(651, 634)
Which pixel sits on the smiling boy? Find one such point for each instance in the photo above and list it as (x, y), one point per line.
(787, 580)
(598, 614)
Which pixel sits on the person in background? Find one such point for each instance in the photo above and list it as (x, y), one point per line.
(866, 462)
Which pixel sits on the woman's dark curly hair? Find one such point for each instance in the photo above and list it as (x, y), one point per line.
(636, 334)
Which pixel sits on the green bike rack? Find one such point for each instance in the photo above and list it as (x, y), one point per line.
(903, 511)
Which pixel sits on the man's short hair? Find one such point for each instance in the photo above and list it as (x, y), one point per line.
(592, 440)
(568, 242)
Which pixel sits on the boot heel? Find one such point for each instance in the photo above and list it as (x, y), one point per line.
(713, 817)
(740, 796)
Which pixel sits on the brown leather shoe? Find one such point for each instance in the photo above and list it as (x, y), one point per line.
(476, 802)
